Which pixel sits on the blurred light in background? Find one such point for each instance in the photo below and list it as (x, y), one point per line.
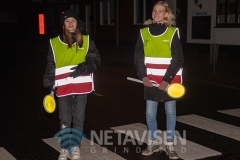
(41, 23)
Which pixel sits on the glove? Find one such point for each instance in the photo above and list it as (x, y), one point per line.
(52, 89)
(79, 69)
(163, 85)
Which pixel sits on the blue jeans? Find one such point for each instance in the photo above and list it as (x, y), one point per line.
(72, 109)
(151, 115)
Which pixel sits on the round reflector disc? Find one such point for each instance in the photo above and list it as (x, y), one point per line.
(176, 90)
(49, 104)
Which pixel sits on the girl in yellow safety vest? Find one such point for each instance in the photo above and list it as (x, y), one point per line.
(158, 58)
(72, 59)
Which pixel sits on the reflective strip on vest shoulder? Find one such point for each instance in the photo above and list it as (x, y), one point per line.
(158, 60)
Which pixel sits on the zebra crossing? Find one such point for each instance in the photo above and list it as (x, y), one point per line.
(186, 149)
(211, 125)
(88, 150)
(5, 155)
(232, 112)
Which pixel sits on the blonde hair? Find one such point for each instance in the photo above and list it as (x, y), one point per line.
(67, 36)
(169, 20)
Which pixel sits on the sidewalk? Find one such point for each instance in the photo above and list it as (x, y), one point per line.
(197, 66)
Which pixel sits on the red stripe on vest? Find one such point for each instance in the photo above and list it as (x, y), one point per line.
(65, 75)
(157, 66)
(158, 79)
(74, 88)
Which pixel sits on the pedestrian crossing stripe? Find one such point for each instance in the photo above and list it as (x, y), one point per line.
(189, 151)
(87, 150)
(210, 125)
(232, 112)
(5, 155)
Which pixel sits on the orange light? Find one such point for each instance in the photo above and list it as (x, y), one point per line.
(41, 23)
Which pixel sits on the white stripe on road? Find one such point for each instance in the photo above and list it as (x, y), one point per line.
(87, 151)
(211, 125)
(5, 155)
(232, 112)
(188, 151)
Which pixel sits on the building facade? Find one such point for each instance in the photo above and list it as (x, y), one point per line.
(119, 21)
(113, 21)
(107, 21)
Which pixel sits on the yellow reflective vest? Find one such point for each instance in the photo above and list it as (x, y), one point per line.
(66, 58)
(157, 52)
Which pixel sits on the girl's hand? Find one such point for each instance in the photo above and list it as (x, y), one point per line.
(163, 85)
(146, 82)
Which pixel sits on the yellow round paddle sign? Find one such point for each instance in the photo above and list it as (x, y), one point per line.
(176, 90)
(49, 104)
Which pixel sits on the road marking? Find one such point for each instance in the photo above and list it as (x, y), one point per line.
(217, 127)
(5, 155)
(189, 151)
(232, 112)
(87, 151)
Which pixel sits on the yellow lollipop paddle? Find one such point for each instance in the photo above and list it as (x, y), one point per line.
(174, 90)
(49, 103)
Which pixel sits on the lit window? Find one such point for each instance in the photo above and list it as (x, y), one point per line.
(228, 13)
(107, 12)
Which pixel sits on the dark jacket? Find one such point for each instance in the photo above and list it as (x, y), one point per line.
(92, 62)
(153, 93)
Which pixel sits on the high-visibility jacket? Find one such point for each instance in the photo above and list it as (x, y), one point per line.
(65, 58)
(157, 52)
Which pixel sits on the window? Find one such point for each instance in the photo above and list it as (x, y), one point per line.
(228, 13)
(107, 12)
(139, 11)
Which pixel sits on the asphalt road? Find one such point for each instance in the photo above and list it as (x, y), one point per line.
(208, 116)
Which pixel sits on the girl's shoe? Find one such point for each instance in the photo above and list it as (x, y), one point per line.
(153, 146)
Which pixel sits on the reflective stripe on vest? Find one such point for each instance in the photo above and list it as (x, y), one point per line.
(64, 60)
(157, 50)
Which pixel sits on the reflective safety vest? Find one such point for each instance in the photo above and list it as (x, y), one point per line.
(66, 58)
(157, 51)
